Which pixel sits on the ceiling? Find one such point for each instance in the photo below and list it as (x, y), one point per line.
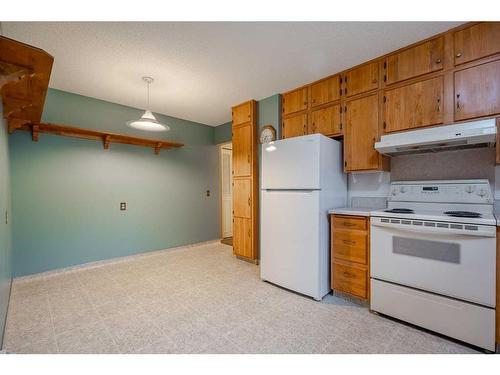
(201, 69)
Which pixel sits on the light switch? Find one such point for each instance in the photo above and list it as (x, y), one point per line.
(208, 193)
(123, 206)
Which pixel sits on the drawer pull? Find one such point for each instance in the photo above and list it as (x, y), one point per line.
(347, 224)
(348, 242)
(459, 54)
(348, 275)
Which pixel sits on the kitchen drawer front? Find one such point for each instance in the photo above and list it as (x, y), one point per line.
(350, 246)
(348, 279)
(346, 222)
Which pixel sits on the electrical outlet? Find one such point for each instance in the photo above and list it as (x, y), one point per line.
(208, 193)
(123, 206)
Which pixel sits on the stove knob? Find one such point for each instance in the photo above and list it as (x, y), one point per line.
(402, 189)
(469, 189)
(394, 192)
(481, 193)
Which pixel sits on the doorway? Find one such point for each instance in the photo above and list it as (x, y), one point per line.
(226, 168)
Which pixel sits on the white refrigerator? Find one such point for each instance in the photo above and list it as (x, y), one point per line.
(302, 178)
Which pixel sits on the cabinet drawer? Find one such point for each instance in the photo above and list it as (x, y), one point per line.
(350, 245)
(352, 280)
(346, 222)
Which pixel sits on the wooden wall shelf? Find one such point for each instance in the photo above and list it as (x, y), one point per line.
(105, 137)
(24, 80)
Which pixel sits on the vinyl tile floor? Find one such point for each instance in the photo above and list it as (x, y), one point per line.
(198, 299)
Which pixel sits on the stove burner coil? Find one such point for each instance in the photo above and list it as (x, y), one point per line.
(400, 211)
(463, 214)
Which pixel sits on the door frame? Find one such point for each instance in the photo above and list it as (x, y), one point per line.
(225, 145)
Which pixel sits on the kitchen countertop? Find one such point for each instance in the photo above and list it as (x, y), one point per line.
(354, 211)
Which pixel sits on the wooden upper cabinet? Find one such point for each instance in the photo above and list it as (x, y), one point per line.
(242, 150)
(477, 41)
(415, 61)
(362, 79)
(242, 197)
(326, 121)
(294, 126)
(361, 133)
(477, 91)
(414, 105)
(295, 101)
(242, 113)
(325, 91)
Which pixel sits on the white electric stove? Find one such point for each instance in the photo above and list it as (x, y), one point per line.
(433, 258)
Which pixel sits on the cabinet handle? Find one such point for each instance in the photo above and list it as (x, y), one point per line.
(248, 158)
(438, 61)
(314, 100)
(439, 104)
(305, 103)
(348, 275)
(348, 242)
(458, 101)
(346, 223)
(249, 203)
(374, 81)
(459, 54)
(249, 234)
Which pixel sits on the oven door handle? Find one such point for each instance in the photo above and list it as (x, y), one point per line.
(482, 231)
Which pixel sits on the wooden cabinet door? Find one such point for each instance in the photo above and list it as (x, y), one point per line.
(477, 41)
(325, 91)
(362, 79)
(326, 121)
(360, 134)
(415, 61)
(295, 101)
(242, 197)
(294, 126)
(413, 106)
(242, 237)
(242, 150)
(242, 113)
(477, 91)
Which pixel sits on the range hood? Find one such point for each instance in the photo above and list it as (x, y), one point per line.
(439, 138)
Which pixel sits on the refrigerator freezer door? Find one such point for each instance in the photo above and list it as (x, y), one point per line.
(292, 163)
(290, 240)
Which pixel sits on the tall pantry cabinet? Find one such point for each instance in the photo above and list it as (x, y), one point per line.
(245, 181)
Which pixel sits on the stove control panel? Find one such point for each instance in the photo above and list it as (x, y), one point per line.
(443, 191)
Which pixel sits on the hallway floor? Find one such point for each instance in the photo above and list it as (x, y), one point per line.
(197, 299)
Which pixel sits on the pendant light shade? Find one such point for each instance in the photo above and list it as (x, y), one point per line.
(148, 121)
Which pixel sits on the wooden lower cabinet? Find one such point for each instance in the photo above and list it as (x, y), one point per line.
(350, 255)
(498, 286)
(242, 237)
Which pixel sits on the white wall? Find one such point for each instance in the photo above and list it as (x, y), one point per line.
(368, 184)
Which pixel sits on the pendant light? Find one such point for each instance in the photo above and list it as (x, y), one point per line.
(148, 121)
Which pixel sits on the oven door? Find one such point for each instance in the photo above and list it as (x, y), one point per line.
(436, 260)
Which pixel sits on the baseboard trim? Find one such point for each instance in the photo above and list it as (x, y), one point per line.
(100, 263)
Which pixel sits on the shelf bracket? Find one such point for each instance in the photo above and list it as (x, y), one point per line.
(35, 132)
(106, 141)
(157, 148)
(15, 124)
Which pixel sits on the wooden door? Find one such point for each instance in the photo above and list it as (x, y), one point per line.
(242, 150)
(361, 133)
(413, 106)
(242, 113)
(477, 41)
(477, 91)
(325, 91)
(294, 126)
(226, 192)
(242, 195)
(326, 121)
(295, 101)
(242, 237)
(415, 61)
(362, 79)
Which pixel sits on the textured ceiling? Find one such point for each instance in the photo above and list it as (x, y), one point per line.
(202, 69)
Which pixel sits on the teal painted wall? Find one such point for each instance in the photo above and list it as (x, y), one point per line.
(66, 192)
(223, 133)
(5, 229)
